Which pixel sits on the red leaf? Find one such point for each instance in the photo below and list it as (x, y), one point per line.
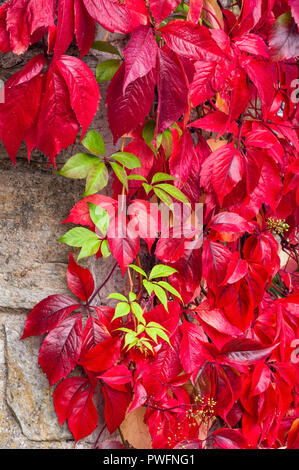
(194, 12)
(80, 280)
(84, 27)
(123, 241)
(114, 415)
(180, 162)
(215, 259)
(60, 350)
(4, 35)
(27, 21)
(284, 38)
(139, 397)
(216, 325)
(201, 88)
(295, 10)
(70, 97)
(172, 88)
(57, 126)
(128, 115)
(193, 353)
(82, 87)
(47, 314)
(83, 419)
(293, 435)
(94, 333)
(189, 267)
(80, 212)
(160, 9)
(22, 101)
(166, 366)
(190, 40)
(215, 122)
(253, 44)
(102, 356)
(117, 377)
(65, 394)
(229, 222)
(65, 26)
(174, 242)
(236, 270)
(229, 439)
(290, 299)
(140, 55)
(118, 17)
(223, 169)
(261, 74)
(244, 352)
(145, 220)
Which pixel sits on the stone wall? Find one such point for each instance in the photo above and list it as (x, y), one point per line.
(33, 202)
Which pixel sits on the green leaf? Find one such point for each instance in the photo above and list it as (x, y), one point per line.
(153, 324)
(130, 340)
(163, 335)
(151, 332)
(174, 192)
(132, 296)
(138, 269)
(163, 196)
(121, 174)
(127, 330)
(148, 286)
(79, 165)
(160, 270)
(106, 70)
(128, 160)
(105, 250)
(147, 344)
(122, 309)
(93, 141)
(147, 188)
(167, 143)
(140, 329)
(91, 247)
(160, 293)
(170, 289)
(138, 312)
(78, 236)
(136, 177)
(104, 46)
(99, 217)
(97, 179)
(117, 296)
(162, 177)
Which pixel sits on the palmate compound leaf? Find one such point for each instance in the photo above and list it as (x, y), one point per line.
(51, 105)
